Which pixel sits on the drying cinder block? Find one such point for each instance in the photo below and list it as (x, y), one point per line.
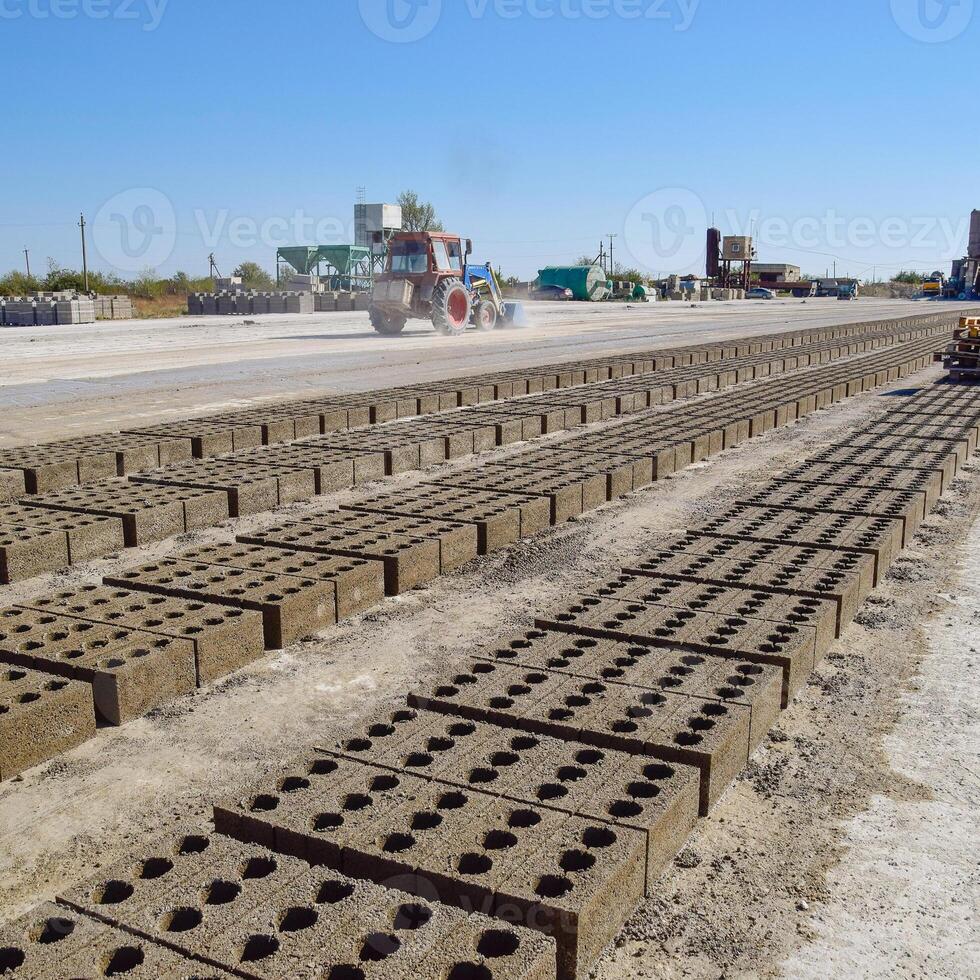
(40, 717)
(129, 672)
(408, 562)
(148, 512)
(500, 518)
(458, 542)
(29, 551)
(878, 536)
(570, 878)
(225, 638)
(655, 798)
(789, 646)
(52, 941)
(843, 578)
(291, 607)
(241, 908)
(756, 686)
(359, 583)
(11, 485)
(88, 536)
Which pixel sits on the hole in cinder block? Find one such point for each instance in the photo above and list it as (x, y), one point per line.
(523, 819)
(293, 784)
(481, 776)
(297, 919)
(193, 844)
(153, 868)
(222, 892)
(589, 757)
(573, 861)
(323, 767)
(496, 943)
(688, 739)
(257, 868)
(346, 972)
(452, 801)
(379, 946)
(625, 808)
(52, 930)
(440, 744)
(357, 745)
(474, 864)
(553, 886)
(380, 731)
(11, 958)
(417, 760)
(469, 971)
(181, 920)
(333, 892)
(123, 960)
(504, 759)
(398, 843)
(411, 917)
(264, 803)
(355, 802)
(426, 820)
(258, 948)
(384, 784)
(550, 791)
(113, 893)
(598, 837)
(461, 729)
(499, 840)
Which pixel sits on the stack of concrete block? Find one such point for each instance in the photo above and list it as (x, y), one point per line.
(18, 313)
(113, 307)
(80, 310)
(325, 302)
(299, 302)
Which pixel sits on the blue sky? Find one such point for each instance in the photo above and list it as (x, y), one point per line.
(535, 126)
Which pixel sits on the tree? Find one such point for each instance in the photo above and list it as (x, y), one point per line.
(911, 278)
(252, 274)
(418, 215)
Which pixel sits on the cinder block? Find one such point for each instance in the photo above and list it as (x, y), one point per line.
(224, 638)
(40, 717)
(291, 607)
(408, 562)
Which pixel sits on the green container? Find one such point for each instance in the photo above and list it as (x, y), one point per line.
(587, 282)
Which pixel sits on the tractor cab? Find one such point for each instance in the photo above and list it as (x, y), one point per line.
(426, 253)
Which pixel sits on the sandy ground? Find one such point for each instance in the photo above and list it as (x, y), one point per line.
(848, 848)
(56, 382)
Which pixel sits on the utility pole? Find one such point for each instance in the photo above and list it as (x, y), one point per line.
(213, 272)
(612, 267)
(27, 259)
(81, 224)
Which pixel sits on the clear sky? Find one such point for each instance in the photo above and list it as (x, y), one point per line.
(833, 129)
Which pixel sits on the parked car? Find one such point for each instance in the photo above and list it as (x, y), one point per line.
(552, 292)
(759, 292)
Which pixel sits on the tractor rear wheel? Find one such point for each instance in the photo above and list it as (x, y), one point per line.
(485, 316)
(451, 307)
(387, 326)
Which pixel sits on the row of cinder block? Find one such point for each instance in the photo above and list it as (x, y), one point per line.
(258, 477)
(55, 465)
(229, 603)
(546, 781)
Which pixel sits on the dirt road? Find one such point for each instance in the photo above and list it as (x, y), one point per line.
(57, 382)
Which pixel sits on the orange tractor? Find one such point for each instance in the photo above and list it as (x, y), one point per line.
(427, 276)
